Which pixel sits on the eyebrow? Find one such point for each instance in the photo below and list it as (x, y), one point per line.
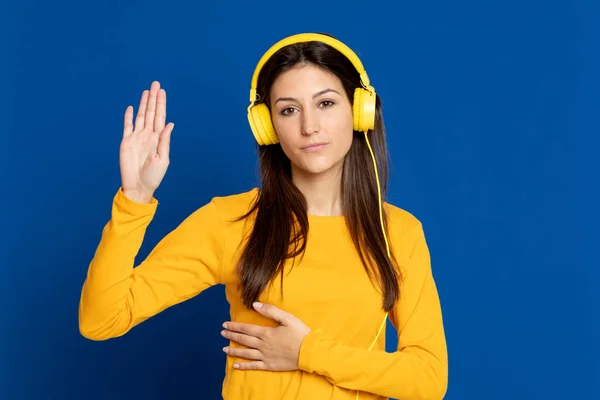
(314, 95)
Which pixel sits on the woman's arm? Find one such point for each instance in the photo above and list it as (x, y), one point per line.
(116, 296)
(418, 370)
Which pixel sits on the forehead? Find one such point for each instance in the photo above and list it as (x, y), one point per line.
(305, 78)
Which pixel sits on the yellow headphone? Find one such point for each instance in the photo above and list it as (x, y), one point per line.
(363, 109)
(364, 97)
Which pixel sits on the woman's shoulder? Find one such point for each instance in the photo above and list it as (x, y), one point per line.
(404, 226)
(235, 204)
(401, 218)
(405, 231)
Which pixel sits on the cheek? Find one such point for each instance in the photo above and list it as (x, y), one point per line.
(286, 131)
(341, 127)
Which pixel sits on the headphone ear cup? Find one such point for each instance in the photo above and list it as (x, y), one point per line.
(259, 118)
(364, 110)
(253, 126)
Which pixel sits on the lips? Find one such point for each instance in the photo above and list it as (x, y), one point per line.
(314, 146)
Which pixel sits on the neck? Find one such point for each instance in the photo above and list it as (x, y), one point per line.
(323, 192)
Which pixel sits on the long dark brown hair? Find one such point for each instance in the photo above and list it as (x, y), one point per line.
(281, 223)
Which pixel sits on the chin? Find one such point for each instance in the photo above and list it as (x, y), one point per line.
(316, 167)
(316, 163)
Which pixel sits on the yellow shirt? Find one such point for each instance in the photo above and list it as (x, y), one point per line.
(328, 290)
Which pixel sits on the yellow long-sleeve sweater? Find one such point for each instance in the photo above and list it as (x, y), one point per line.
(328, 290)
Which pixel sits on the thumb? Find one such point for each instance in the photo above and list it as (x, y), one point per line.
(164, 141)
(270, 311)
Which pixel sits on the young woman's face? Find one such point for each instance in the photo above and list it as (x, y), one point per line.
(312, 117)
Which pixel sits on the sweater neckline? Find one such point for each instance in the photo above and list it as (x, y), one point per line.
(326, 220)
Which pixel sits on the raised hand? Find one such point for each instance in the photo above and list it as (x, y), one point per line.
(144, 151)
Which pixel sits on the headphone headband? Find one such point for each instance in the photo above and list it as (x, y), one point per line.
(308, 37)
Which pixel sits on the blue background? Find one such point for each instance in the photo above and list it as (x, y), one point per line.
(492, 112)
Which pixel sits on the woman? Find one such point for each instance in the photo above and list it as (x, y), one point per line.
(313, 262)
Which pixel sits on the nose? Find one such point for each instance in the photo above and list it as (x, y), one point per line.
(310, 122)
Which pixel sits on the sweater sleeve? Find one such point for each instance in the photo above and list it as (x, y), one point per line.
(117, 295)
(418, 370)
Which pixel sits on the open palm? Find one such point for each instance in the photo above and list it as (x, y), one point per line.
(144, 152)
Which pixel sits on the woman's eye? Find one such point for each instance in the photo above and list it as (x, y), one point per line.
(292, 110)
(287, 111)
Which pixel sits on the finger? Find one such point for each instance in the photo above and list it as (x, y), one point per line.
(248, 354)
(254, 365)
(248, 329)
(141, 114)
(245, 340)
(151, 107)
(161, 111)
(128, 121)
(270, 311)
(164, 141)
